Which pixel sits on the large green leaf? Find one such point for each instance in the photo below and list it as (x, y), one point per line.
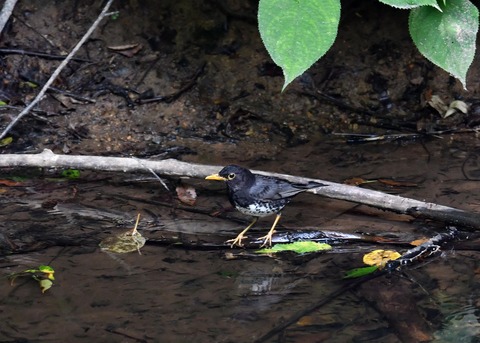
(297, 33)
(408, 4)
(447, 39)
(301, 247)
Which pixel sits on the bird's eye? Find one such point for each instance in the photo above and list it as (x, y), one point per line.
(231, 176)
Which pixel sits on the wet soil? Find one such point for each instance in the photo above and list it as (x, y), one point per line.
(199, 86)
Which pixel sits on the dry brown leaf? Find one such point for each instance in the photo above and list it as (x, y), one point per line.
(394, 183)
(123, 47)
(357, 181)
(186, 194)
(127, 50)
(9, 183)
(419, 241)
(305, 321)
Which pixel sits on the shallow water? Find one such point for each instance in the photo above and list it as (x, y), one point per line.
(176, 293)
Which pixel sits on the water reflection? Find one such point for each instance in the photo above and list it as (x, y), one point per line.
(461, 323)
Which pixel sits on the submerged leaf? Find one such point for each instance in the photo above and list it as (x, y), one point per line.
(357, 181)
(419, 241)
(305, 321)
(298, 247)
(358, 272)
(394, 183)
(123, 243)
(129, 241)
(186, 194)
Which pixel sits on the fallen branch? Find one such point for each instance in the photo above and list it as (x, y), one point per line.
(57, 71)
(7, 10)
(424, 250)
(172, 167)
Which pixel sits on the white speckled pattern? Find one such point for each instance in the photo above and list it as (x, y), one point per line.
(258, 210)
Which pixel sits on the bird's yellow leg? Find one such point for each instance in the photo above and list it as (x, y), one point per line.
(268, 237)
(238, 239)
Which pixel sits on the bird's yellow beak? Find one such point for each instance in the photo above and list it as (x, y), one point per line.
(215, 177)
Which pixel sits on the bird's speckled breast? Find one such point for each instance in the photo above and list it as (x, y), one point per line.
(261, 209)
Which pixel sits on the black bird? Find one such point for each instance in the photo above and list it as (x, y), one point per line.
(258, 196)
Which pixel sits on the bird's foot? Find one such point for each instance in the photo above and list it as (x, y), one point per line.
(237, 241)
(267, 239)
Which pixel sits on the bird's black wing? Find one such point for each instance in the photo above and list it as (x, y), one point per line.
(274, 189)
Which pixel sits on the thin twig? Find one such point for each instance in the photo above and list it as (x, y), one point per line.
(60, 91)
(156, 176)
(57, 71)
(18, 108)
(6, 51)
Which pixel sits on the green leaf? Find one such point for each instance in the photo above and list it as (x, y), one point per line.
(30, 84)
(298, 247)
(44, 280)
(358, 272)
(297, 33)
(31, 271)
(71, 173)
(48, 271)
(409, 4)
(447, 39)
(6, 141)
(115, 15)
(45, 284)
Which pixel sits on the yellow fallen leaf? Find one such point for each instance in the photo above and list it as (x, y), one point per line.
(380, 257)
(305, 321)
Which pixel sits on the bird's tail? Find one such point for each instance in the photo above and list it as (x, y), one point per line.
(313, 184)
(309, 185)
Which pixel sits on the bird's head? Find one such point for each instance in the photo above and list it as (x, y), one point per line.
(236, 177)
